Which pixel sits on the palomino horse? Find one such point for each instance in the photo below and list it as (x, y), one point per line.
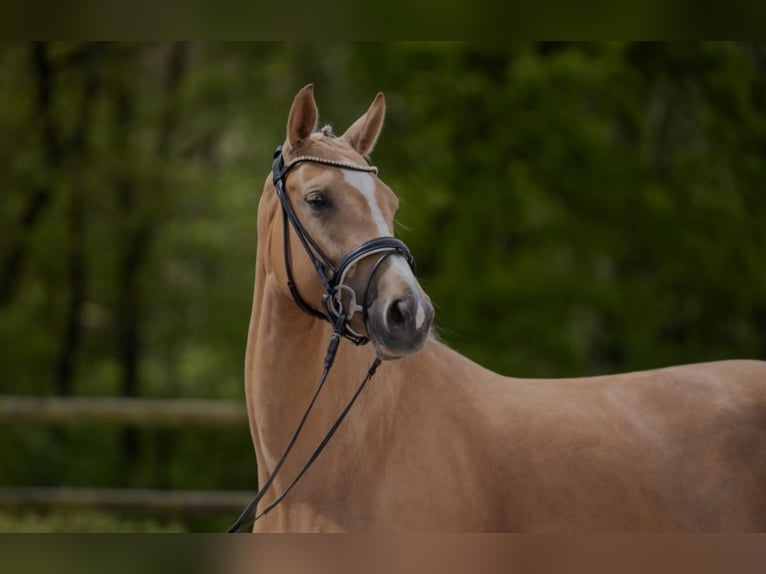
(437, 442)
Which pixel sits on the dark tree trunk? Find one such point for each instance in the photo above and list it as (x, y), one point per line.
(39, 196)
(131, 254)
(175, 70)
(138, 228)
(76, 224)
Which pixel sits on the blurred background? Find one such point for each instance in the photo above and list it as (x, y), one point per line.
(574, 209)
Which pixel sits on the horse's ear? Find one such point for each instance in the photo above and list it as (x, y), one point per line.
(364, 132)
(303, 117)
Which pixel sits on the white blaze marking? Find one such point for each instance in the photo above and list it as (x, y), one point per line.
(365, 184)
(420, 316)
(399, 266)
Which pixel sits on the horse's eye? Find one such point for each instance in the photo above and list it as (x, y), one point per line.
(317, 201)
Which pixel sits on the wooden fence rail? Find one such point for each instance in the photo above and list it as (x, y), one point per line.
(138, 501)
(126, 412)
(123, 411)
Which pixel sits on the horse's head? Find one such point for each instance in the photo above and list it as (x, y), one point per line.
(339, 204)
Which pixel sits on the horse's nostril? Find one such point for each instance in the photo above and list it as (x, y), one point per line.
(397, 314)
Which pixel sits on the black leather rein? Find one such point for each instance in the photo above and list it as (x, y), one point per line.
(332, 277)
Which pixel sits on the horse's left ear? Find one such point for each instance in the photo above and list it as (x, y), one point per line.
(364, 132)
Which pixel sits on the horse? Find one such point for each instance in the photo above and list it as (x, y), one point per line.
(437, 442)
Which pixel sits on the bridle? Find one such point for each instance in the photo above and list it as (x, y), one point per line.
(331, 275)
(333, 278)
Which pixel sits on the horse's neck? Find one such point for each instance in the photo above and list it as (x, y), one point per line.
(284, 361)
(285, 357)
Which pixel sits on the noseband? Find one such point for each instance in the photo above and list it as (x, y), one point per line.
(332, 276)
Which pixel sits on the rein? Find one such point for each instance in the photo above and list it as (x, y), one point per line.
(332, 278)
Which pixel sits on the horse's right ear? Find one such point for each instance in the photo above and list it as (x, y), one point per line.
(303, 117)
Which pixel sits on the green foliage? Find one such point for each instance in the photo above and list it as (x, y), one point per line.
(574, 209)
(584, 209)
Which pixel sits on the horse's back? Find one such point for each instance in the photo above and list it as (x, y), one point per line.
(679, 448)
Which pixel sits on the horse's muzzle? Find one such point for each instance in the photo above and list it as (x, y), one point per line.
(400, 326)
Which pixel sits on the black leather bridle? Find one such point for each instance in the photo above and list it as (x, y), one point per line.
(332, 277)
